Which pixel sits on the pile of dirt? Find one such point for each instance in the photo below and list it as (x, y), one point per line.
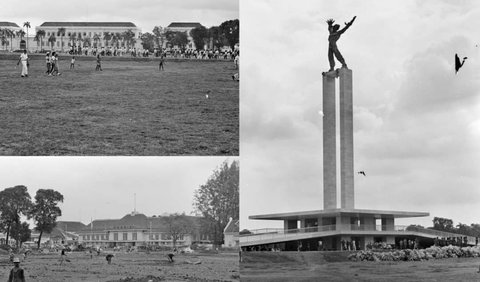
(149, 278)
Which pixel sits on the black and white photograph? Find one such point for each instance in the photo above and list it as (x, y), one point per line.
(119, 219)
(93, 78)
(360, 133)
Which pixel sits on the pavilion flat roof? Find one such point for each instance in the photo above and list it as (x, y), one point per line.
(336, 212)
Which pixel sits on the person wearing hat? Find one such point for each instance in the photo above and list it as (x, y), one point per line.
(16, 274)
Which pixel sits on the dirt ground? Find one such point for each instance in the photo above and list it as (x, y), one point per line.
(131, 267)
(129, 108)
(334, 266)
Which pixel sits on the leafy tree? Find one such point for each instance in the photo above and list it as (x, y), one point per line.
(443, 224)
(45, 211)
(129, 37)
(148, 41)
(61, 33)
(159, 36)
(27, 25)
(218, 199)
(15, 202)
(21, 233)
(176, 38)
(217, 36)
(178, 225)
(199, 36)
(231, 31)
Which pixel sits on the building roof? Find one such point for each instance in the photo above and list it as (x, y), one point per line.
(70, 226)
(184, 24)
(8, 24)
(232, 226)
(138, 221)
(335, 212)
(88, 24)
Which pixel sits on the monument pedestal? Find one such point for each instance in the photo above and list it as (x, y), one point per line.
(330, 139)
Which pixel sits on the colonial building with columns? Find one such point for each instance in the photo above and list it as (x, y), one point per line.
(90, 34)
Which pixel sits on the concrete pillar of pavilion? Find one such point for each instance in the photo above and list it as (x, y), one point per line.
(346, 138)
(329, 142)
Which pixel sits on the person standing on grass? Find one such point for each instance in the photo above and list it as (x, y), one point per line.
(25, 64)
(99, 63)
(162, 60)
(16, 274)
(109, 258)
(72, 63)
(54, 67)
(48, 62)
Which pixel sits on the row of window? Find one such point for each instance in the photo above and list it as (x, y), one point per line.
(154, 236)
(75, 34)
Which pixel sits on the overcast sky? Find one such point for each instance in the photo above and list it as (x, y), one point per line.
(104, 187)
(416, 123)
(146, 14)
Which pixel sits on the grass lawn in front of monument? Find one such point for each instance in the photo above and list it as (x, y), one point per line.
(132, 267)
(129, 108)
(334, 266)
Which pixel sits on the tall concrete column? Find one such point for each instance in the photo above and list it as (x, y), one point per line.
(329, 142)
(346, 139)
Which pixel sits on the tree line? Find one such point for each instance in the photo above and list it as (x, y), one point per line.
(447, 225)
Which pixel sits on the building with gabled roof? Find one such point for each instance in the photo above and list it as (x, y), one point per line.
(184, 27)
(136, 229)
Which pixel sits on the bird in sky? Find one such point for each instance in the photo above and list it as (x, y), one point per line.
(458, 64)
(362, 172)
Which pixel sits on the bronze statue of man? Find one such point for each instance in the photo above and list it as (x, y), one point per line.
(332, 42)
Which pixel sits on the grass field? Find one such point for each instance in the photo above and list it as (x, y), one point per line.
(131, 267)
(334, 266)
(130, 108)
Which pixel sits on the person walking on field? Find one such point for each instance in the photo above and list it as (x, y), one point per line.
(16, 274)
(25, 63)
(99, 63)
(332, 42)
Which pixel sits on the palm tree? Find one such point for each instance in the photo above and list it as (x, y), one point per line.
(52, 39)
(3, 38)
(96, 38)
(11, 34)
(21, 34)
(61, 33)
(107, 36)
(40, 35)
(86, 42)
(72, 38)
(27, 25)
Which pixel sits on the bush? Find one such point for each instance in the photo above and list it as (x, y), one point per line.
(417, 255)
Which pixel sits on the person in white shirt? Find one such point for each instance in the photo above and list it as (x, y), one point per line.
(25, 63)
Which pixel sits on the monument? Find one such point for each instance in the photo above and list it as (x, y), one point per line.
(334, 227)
